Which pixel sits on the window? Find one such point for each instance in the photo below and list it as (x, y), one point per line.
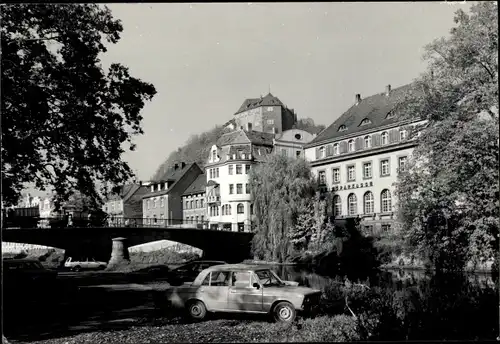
(230, 169)
(342, 128)
(247, 189)
(402, 163)
(367, 170)
(226, 209)
(321, 152)
(385, 138)
(241, 279)
(368, 203)
(284, 152)
(191, 205)
(251, 209)
(202, 203)
(269, 108)
(386, 201)
(368, 141)
(351, 173)
(337, 206)
(336, 175)
(297, 154)
(187, 204)
(211, 171)
(148, 204)
(219, 279)
(162, 201)
(196, 219)
(352, 205)
(231, 189)
(239, 169)
(403, 134)
(386, 228)
(384, 167)
(217, 172)
(240, 209)
(202, 218)
(322, 177)
(214, 155)
(197, 203)
(365, 121)
(206, 280)
(298, 136)
(239, 189)
(336, 149)
(350, 145)
(154, 202)
(214, 210)
(247, 169)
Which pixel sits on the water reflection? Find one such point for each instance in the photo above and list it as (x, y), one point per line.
(391, 278)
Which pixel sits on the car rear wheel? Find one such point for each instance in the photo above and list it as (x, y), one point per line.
(197, 310)
(284, 312)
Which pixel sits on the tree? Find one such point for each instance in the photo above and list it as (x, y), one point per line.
(281, 188)
(449, 199)
(65, 121)
(308, 125)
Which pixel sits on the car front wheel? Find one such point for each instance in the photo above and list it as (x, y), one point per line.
(77, 268)
(197, 310)
(284, 312)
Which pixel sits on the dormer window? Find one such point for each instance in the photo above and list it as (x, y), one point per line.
(390, 115)
(214, 155)
(336, 150)
(350, 145)
(342, 128)
(403, 134)
(365, 121)
(368, 141)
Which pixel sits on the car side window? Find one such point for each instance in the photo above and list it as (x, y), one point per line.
(241, 279)
(219, 278)
(206, 281)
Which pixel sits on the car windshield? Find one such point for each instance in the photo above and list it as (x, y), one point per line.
(268, 278)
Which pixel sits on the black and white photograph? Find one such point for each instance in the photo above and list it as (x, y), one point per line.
(249, 172)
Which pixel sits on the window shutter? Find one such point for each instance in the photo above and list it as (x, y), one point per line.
(317, 153)
(343, 147)
(376, 140)
(329, 150)
(358, 144)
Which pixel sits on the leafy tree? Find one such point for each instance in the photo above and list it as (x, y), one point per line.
(65, 120)
(449, 199)
(308, 125)
(281, 187)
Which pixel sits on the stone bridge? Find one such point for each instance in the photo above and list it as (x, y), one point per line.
(97, 241)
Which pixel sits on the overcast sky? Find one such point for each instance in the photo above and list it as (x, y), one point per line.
(205, 59)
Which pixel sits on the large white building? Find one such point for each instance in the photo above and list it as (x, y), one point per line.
(357, 159)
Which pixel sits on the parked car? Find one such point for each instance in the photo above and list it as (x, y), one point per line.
(88, 264)
(189, 271)
(244, 289)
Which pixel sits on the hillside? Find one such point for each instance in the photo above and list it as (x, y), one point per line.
(197, 147)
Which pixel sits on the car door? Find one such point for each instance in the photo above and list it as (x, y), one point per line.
(214, 290)
(243, 296)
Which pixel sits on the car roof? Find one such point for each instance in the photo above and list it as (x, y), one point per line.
(242, 267)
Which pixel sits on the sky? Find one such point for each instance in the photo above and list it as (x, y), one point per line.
(205, 59)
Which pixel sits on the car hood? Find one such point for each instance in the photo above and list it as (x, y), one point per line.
(291, 289)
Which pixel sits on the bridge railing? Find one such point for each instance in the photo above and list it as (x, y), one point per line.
(68, 222)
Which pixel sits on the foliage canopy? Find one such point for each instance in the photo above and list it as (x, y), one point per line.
(65, 120)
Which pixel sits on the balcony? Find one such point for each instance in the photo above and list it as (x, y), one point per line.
(213, 199)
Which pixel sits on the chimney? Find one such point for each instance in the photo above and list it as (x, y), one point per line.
(183, 164)
(358, 98)
(249, 126)
(387, 90)
(176, 166)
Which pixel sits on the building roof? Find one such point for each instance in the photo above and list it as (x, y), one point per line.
(197, 186)
(374, 109)
(173, 175)
(252, 103)
(242, 136)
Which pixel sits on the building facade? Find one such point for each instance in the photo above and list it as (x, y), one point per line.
(125, 205)
(228, 197)
(357, 159)
(193, 200)
(163, 201)
(291, 143)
